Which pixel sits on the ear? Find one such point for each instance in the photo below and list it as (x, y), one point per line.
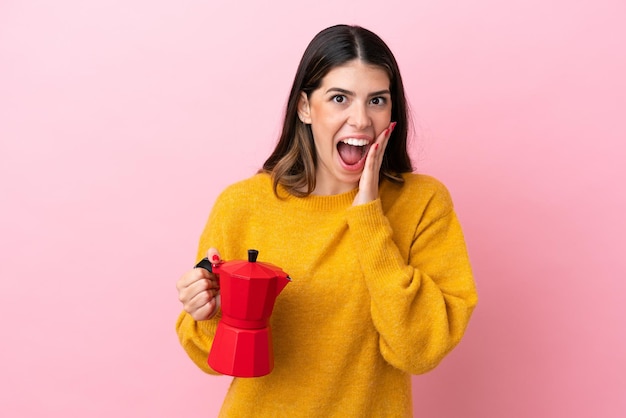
(304, 110)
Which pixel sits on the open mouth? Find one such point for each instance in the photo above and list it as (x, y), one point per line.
(352, 150)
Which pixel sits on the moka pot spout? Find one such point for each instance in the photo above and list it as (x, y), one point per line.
(282, 280)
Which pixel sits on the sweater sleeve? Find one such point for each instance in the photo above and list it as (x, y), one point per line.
(196, 337)
(420, 306)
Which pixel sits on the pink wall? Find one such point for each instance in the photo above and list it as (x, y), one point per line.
(121, 120)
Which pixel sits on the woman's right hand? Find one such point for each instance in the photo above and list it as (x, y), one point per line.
(198, 290)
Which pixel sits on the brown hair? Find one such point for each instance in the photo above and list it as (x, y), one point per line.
(293, 161)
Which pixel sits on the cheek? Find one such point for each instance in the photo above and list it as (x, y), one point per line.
(382, 123)
(328, 114)
(329, 120)
(323, 141)
(326, 124)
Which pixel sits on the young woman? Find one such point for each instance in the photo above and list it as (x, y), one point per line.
(382, 285)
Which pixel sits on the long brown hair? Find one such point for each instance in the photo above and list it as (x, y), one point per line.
(292, 163)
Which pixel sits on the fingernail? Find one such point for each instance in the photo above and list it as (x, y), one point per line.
(393, 125)
(215, 257)
(376, 147)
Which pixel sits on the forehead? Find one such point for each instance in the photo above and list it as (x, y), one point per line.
(357, 73)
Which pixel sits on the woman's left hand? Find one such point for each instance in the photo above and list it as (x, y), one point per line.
(368, 185)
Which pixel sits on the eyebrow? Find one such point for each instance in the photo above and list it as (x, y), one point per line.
(351, 93)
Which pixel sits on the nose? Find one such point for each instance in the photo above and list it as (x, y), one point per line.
(359, 116)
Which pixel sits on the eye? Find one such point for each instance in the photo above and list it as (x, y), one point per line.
(338, 98)
(379, 101)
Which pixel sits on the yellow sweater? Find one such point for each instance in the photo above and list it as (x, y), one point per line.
(379, 292)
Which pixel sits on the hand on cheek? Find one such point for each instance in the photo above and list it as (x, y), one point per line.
(368, 185)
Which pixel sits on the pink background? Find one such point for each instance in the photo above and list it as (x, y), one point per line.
(120, 121)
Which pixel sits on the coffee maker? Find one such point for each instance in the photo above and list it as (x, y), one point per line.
(242, 345)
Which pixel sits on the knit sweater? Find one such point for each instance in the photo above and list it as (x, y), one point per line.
(380, 291)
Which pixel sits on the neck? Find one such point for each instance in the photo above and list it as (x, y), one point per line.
(328, 187)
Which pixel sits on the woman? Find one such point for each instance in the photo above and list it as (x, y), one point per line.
(382, 286)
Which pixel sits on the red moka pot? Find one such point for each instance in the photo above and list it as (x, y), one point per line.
(243, 343)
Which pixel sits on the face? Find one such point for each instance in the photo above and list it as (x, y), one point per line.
(349, 110)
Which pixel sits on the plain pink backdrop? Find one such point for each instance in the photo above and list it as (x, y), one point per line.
(120, 121)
